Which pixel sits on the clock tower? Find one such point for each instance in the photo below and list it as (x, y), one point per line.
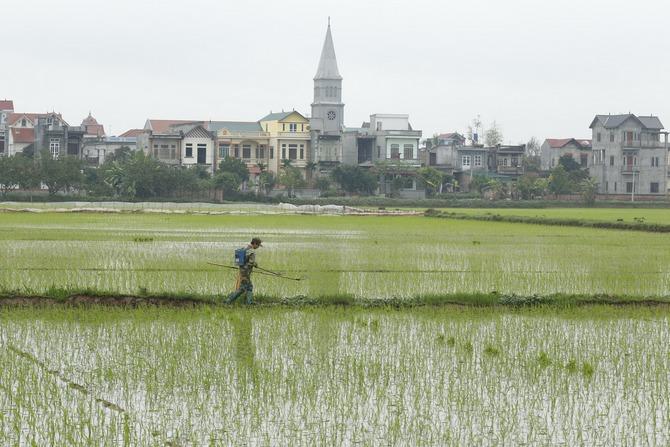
(327, 107)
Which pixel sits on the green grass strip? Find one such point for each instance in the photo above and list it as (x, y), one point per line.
(565, 222)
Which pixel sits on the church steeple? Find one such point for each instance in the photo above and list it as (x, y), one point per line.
(328, 62)
(327, 107)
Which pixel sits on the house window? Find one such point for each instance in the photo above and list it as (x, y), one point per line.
(654, 162)
(614, 186)
(155, 146)
(54, 147)
(189, 150)
(606, 186)
(515, 161)
(260, 152)
(173, 152)
(408, 152)
(653, 187)
(395, 151)
(629, 187)
(283, 127)
(611, 137)
(246, 151)
(155, 151)
(236, 150)
(283, 151)
(598, 137)
(292, 127)
(465, 161)
(478, 160)
(292, 151)
(379, 152)
(584, 160)
(302, 151)
(379, 125)
(611, 160)
(24, 123)
(224, 150)
(202, 153)
(272, 152)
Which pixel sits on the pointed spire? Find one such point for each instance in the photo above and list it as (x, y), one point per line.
(328, 62)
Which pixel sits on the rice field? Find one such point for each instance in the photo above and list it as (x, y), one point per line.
(364, 257)
(274, 375)
(628, 215)
(215, 376)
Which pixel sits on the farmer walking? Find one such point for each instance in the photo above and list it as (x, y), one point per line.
(245, 258)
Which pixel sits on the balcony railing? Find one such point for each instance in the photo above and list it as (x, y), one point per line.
(225, 135)
(298, 135)
(632, 144)
(630, 170)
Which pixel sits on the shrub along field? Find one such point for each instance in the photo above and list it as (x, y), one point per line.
(334, 376)
(372, 258)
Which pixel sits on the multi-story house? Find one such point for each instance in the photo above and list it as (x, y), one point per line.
(161, 140)
(630, 154)
(289, 139)
(245, 140)
(46, 131)
(554, 148)
(6, 108)
(507, 161)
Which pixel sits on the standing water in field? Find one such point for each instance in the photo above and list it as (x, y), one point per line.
(440, 376)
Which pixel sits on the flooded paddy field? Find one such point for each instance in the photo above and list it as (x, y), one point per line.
(334, 376)
(361, 257)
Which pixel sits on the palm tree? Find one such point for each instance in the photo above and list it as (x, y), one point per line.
(310, 166)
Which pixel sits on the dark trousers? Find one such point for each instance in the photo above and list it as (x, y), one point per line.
(245, 287)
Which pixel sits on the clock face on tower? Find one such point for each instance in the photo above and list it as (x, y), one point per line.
(331, 115)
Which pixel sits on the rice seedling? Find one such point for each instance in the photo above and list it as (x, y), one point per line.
(332, 375)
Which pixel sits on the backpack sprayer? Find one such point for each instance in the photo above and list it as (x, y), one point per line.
(241, 261)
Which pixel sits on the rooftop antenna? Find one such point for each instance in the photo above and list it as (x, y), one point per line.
(329, 21)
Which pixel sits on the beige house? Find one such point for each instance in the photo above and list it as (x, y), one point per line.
(554, 148)
(289, 134)
(244, 140)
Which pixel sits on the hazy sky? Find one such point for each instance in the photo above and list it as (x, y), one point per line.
(537, 68)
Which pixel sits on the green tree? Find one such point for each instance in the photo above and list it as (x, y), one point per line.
(589, 190)
(530, 186)
(431, 179)
(10, 174)
(291, 178)
(559, 181)
(227, 181)
(235, 166)
(30, 173)
(60, 174)
(323, 184)
(354, 179)
(267, 181)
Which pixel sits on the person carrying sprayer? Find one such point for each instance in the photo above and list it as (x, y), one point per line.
(245, 259)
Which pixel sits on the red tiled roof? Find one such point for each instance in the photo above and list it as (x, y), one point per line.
(6, 104)
(95, 129)
(162, 126)
(132, 133)
(14, 117)
(22, 135)
(557, 143)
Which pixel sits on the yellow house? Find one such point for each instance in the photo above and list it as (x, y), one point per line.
(289, 139)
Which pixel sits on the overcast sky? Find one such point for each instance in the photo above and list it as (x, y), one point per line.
(537, 68)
